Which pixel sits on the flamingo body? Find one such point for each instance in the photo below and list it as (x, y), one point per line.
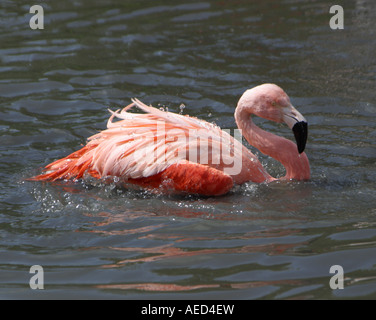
(171, 152)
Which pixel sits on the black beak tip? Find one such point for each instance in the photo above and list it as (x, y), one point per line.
(300, 130)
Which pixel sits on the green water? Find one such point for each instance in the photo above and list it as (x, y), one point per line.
(274, 241)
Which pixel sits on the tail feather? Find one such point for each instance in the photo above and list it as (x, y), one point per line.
(73, 167)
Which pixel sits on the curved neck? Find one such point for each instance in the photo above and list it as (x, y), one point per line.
(279, 148)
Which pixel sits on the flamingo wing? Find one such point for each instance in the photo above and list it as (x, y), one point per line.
(147, 149)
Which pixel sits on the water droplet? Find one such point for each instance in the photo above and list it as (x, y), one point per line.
(181, 107)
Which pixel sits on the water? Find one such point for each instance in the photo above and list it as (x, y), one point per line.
(274, 241)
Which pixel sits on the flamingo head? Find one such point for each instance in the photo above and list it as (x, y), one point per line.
(270, 102)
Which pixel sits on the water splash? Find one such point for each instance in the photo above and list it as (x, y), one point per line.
(181, 107)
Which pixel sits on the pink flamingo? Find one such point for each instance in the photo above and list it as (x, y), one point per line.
(136, 150)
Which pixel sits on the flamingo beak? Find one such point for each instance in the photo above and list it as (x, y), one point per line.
(295, 121)
(300, 130)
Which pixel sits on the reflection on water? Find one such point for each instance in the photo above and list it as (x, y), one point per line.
(169, 251)
(273, 241)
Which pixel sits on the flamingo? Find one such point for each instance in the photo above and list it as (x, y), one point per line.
(171, 152)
